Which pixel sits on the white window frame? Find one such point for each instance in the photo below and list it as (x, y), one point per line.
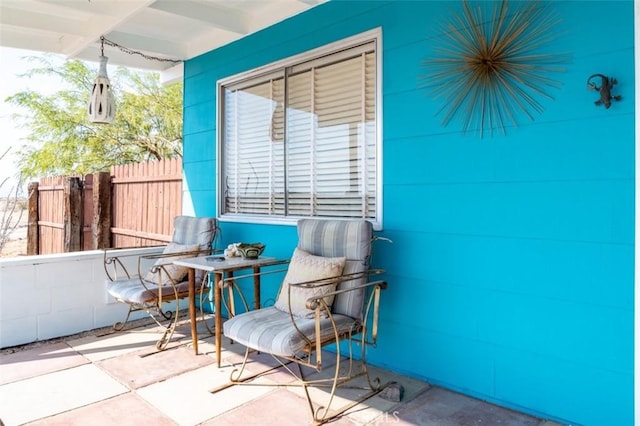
(374, 35)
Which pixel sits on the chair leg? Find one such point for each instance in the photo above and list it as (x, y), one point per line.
(118, 326)
(374, 384)
(166, 315)
(305, 386)
(236, 374)
(162, 343)
(321, 413)
(235, 377)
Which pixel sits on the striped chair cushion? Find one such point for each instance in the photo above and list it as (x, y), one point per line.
(195, 230)
(131, 291)
(340, 238)
(189, 234)
(172, 273)
(271, 330)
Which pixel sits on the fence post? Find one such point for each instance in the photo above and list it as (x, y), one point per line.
(101, 223)
(72, 214)
(33, 234)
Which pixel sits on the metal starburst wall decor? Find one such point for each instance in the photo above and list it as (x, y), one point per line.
(492, 64)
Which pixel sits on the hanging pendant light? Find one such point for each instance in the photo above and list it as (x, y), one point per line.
(102, 106)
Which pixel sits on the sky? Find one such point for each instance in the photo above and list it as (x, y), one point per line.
(13, 65)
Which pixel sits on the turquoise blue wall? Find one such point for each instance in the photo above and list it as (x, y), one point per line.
(511, 271)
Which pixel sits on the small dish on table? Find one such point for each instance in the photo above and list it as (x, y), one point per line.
(250, 250)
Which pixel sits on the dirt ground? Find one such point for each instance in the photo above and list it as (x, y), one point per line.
(17, 243)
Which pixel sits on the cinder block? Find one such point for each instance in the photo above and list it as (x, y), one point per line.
(64, 323)
(18, 331)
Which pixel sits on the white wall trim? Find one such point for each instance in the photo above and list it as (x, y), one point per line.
(636, 374)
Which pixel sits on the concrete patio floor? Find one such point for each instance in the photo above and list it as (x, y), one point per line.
(103, 378)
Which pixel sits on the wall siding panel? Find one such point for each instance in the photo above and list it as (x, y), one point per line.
(513, 256)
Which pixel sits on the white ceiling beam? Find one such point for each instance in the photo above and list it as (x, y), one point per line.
(102, 23)
(92, 53)
(39, 21)
(269, 15)
(210, 40)
(220, 17)
(20, 38)
(54, 9)
(173, 74)
(147, 45)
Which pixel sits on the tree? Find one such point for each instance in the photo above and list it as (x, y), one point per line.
(62, 141)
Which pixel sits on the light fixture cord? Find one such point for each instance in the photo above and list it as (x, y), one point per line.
(102, 46)
(135, 52)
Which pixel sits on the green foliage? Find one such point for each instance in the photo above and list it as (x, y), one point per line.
(62, 141)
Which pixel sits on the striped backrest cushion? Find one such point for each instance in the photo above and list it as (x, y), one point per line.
(340, 238)
(195, 230)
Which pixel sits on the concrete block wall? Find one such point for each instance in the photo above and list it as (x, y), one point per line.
(43, 297)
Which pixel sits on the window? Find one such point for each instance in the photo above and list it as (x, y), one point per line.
(300, 138)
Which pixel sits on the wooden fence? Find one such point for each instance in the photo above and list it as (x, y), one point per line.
(132, 206)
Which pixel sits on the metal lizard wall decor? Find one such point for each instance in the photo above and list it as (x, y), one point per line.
(606, 84)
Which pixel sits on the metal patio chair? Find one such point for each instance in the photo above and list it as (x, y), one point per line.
(329, 296)
(157, 280)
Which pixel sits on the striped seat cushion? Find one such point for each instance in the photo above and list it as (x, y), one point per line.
(131, 291)
(271, 330)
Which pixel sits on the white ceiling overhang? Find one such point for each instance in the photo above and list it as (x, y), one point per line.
(171, 29)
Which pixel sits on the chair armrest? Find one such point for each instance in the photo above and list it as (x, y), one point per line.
(372, 305)
(339, 279)
(313, 302)
(114, 260)
(160, 267)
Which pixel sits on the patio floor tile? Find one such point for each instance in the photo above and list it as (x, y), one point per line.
(122, 379)
(186, 398)
(142, 368)
(370, 409)
(97, 348)
(53, 393)
(448, 408)
(278, 408)
(127, 409)
(41, 360)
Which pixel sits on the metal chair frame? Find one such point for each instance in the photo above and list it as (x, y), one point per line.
(142, 295)
(311, 354)
(115, 268)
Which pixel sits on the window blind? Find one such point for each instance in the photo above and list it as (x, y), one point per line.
(301, 141)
